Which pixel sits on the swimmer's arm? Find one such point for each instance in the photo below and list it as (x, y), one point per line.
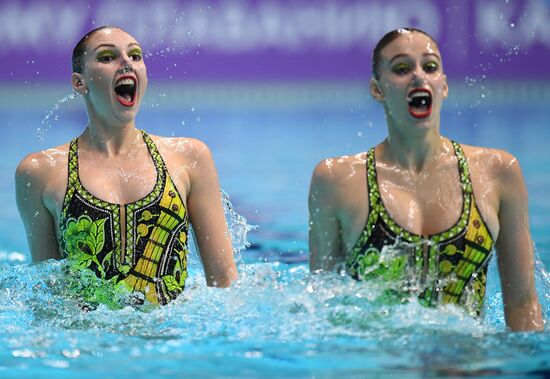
(208, 221)
(37, 220)
(325, 242)
(522, 310)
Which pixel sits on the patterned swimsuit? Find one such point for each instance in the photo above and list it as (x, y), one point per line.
(447, 267)
(155, 258)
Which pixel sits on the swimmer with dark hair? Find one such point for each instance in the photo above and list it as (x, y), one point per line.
(419, 209)
(116, 200)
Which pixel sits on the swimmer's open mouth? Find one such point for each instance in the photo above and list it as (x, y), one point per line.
(125, 90)
(420, 103)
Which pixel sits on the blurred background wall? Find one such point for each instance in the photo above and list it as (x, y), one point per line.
(227, 45)
(274, 86)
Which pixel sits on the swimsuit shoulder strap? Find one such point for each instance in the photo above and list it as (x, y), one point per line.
(463, 169)
(160, 166)
(73, 162)
(73, 179)
(372, 182)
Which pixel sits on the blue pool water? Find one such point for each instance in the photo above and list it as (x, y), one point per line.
(277, 320)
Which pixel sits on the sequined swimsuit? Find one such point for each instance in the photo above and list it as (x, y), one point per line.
(447, 267)
(155, 258)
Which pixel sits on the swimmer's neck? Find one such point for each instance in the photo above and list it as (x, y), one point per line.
(412, 153)
(108, 140)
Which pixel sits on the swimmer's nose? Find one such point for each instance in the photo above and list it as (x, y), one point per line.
(125, 66)
(419, 75)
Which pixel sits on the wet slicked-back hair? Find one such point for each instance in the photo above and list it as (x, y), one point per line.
(80, 48)
(386, 40)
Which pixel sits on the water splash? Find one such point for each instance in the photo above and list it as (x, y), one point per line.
(275, 316)
(237, 225)
(52, 114)
(542, 280)
(238, 229)
(269, 300)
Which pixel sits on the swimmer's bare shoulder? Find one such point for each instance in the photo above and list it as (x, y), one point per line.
(496, 175)
(337, 197)
(45, 172)
(186, 150)
(174, 144)
(495, 162)
(494, 170)
(41, 182)
(337, 180)
(44, 160)
(186, 159)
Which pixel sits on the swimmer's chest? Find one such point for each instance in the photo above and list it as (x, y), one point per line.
(423, 215)
(118, 181)
(423, 207)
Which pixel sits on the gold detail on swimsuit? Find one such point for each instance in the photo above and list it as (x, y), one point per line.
(450, 250)
(183, 237)
(142, 230)
(477, 224)
(445, 266)
(175, 207)
(480, 239)
(172, 194)
(146, 215)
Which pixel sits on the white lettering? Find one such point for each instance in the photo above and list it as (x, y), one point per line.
(500, 25)
(535, 24)
(237, 26)
(38, 26)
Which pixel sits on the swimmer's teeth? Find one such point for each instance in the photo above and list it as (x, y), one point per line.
(125, 81)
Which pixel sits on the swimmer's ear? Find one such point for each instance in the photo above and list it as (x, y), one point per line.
(78, 83)
(375, 90)
(445, 88)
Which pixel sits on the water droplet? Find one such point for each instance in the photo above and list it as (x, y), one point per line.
(71, 353)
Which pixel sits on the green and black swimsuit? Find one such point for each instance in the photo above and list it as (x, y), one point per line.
(155, 257)
(448, 267)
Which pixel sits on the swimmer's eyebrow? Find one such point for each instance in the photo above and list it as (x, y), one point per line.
(104, 45)
(111, 45)
(402, 55)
